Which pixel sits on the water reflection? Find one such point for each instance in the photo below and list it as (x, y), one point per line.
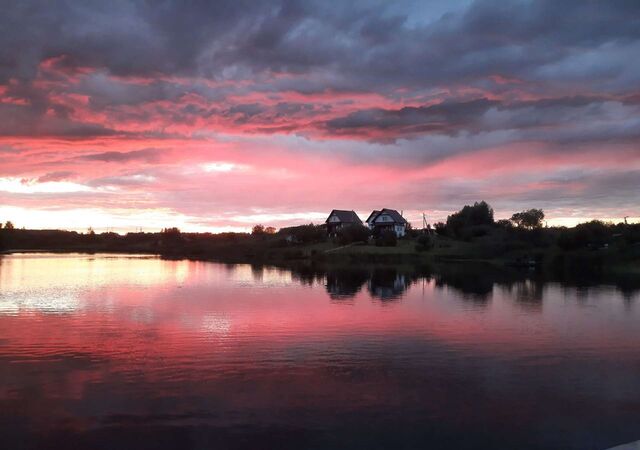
(475, 283)
(119, 352)
(345, 283)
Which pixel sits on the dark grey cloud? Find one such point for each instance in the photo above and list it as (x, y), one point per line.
(442, 118)
(147, 154)
(603, 189)
(363, 46)
(56, 176)
(25, 120)
(29, 111)
(9, 150)
(242, 113)
(561, 120)
(125, 180)
(360, 44)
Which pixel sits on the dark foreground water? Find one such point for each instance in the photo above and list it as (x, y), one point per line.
(115, 352)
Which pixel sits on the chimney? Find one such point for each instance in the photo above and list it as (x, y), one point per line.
(401, 213)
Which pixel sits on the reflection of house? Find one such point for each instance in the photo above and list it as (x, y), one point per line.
(345, 283)
(387, 284)
(387, 219)
(340, 218)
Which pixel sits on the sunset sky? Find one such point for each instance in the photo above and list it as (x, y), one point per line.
(215, 116)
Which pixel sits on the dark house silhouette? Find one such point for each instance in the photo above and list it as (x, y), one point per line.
(340, 218)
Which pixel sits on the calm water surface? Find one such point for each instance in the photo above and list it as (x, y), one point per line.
(117, 352)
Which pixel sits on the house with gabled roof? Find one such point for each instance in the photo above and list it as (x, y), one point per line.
(387, 219)
(340, 218)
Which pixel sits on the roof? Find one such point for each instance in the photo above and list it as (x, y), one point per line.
(395, 215)
(345, 216)
(373, 215)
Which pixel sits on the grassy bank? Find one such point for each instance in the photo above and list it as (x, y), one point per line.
(538, 249)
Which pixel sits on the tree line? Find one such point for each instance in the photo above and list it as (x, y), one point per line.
(471, 222)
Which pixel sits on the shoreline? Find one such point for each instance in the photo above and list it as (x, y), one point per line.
(338, 257)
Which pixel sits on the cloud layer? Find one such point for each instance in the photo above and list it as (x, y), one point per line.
(216, 114)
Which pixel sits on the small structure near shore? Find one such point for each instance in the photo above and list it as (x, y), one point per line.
(339, 219)
(387, 220)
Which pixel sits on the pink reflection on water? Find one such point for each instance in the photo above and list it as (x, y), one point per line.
(112, 341)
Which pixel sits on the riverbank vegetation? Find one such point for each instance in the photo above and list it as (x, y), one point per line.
(471, 234)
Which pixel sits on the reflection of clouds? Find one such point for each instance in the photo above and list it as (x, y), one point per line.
(22, 272)
(41, 300)
(58, 283)
(181, 271)
(216, 324)
(142, 315)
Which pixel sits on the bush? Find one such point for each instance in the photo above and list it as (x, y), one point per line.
(410, 232)
(424, 243)
(441, 228)
(305, 234)
(387, 238)
(631, 233)
(351, 234)
(592, 234)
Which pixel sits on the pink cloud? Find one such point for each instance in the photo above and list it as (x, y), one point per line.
(146, 141)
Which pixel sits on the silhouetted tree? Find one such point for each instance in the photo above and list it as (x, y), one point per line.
(8, 225)
(531, 218)
(169, 237)
(270, 230)
(440, 228)
(592, 234)
(258, 230)
(469, 216)
(504, 223)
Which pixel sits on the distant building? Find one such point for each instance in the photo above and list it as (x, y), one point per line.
(339, 219)
(387, 219)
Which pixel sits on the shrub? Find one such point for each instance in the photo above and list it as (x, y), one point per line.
(424, 243)
(305, 234)
(411, 232)
(441, 228)
(352, 233)
(592, 234)
(387, 238)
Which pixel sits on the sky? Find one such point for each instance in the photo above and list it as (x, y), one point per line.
(216, 116)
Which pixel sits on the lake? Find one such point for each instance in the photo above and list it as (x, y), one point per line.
(136, 352)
